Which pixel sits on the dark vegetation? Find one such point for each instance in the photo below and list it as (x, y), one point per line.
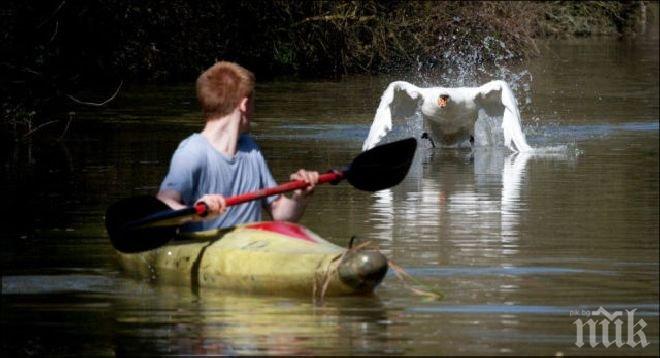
(58, 54)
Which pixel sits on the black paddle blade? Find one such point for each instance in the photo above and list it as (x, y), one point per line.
(383, 166)
(126, 237)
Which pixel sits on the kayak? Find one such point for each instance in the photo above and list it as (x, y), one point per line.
(270, 257)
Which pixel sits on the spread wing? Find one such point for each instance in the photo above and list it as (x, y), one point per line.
(400, 100)
(499, 94)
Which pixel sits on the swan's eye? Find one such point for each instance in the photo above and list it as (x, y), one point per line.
(442, 100)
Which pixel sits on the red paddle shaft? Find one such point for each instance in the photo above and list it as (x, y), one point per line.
(334, 176)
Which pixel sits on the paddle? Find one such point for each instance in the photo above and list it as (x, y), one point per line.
(144, 223)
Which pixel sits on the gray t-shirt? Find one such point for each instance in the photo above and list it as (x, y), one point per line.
(197, 169)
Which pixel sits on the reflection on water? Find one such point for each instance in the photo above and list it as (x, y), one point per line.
(486, 201)
(515, 241)
(139, 318)
(383, 214)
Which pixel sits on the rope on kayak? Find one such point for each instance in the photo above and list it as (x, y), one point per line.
(424, 290)
(323, 279)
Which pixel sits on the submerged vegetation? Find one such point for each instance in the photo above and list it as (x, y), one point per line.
(56, 55)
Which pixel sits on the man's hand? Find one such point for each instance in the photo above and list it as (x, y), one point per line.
(291, 209)
(312, 178)
(215, 202)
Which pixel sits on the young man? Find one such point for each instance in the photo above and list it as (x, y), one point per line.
(224, 160)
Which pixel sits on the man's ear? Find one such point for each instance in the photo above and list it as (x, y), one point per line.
(243, 106)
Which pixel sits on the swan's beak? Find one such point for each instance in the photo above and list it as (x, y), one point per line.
(442, 100)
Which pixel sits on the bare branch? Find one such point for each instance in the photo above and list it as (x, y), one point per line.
(66, 128)
(51, 15)
(57, 26)
(333, 18)
(33, 130)
(97, 104)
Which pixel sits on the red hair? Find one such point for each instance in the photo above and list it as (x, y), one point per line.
(221, 88)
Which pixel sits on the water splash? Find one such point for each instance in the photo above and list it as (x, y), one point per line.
(468, 64)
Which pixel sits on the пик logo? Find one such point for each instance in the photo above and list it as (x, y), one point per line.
(633, 329)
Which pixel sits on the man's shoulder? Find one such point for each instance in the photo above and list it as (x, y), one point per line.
(192, 148)
(195, 142)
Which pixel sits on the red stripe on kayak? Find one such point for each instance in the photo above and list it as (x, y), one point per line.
(283, 227)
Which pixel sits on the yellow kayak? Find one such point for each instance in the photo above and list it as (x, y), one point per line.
(271, 257)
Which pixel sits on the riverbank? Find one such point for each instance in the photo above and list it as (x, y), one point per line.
(59, 57)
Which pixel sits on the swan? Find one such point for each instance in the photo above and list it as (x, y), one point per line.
(450, 113)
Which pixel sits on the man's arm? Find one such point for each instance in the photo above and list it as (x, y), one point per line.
(292, 209)
(288, 209)
(170, 197)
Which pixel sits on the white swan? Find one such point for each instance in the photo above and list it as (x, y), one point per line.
(451, 113)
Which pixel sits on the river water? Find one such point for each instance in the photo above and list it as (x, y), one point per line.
(521, 245)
